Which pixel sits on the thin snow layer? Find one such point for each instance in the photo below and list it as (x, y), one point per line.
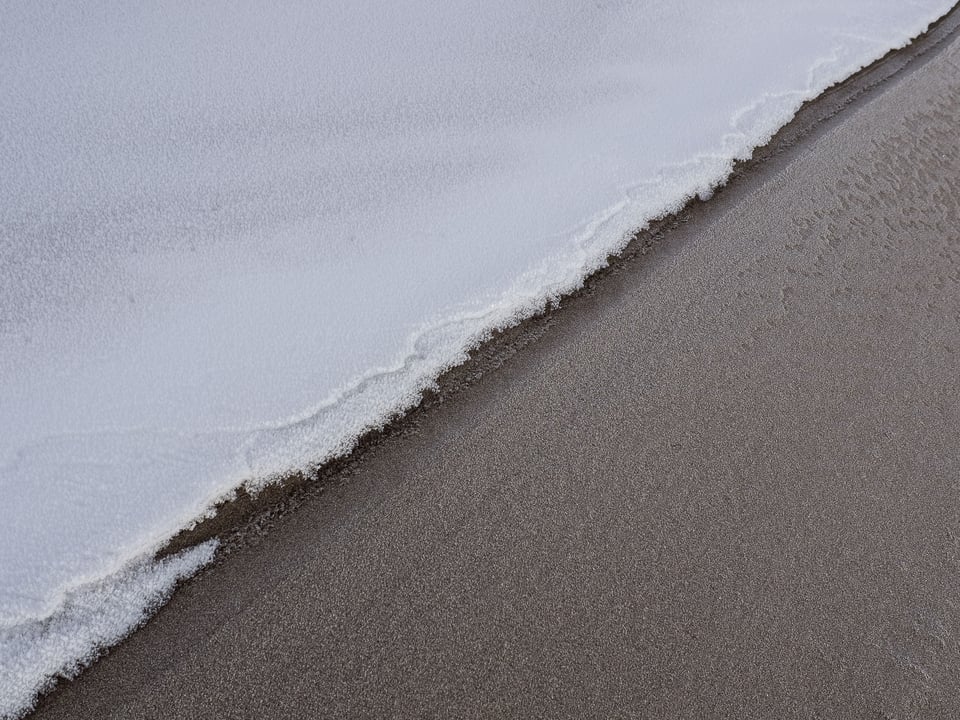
(235, 235)
(91, 618)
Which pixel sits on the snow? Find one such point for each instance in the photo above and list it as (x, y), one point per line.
(234, 236)
(91, 618)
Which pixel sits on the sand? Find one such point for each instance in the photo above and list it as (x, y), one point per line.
(723, 481)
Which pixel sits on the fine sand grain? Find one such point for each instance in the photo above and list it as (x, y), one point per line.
(724, 481)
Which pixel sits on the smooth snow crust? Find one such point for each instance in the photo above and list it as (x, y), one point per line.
(234, 236)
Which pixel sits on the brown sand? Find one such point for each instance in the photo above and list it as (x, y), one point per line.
(725, 482)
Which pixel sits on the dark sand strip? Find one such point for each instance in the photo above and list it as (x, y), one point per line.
(724, 483)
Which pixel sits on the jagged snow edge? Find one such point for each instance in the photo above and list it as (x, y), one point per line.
(93, 618)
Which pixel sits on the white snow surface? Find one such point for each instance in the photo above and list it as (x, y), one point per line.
(235, 235)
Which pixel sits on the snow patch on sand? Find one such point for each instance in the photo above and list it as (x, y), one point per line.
(235, 236)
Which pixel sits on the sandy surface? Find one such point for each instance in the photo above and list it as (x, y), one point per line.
(725, 482)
